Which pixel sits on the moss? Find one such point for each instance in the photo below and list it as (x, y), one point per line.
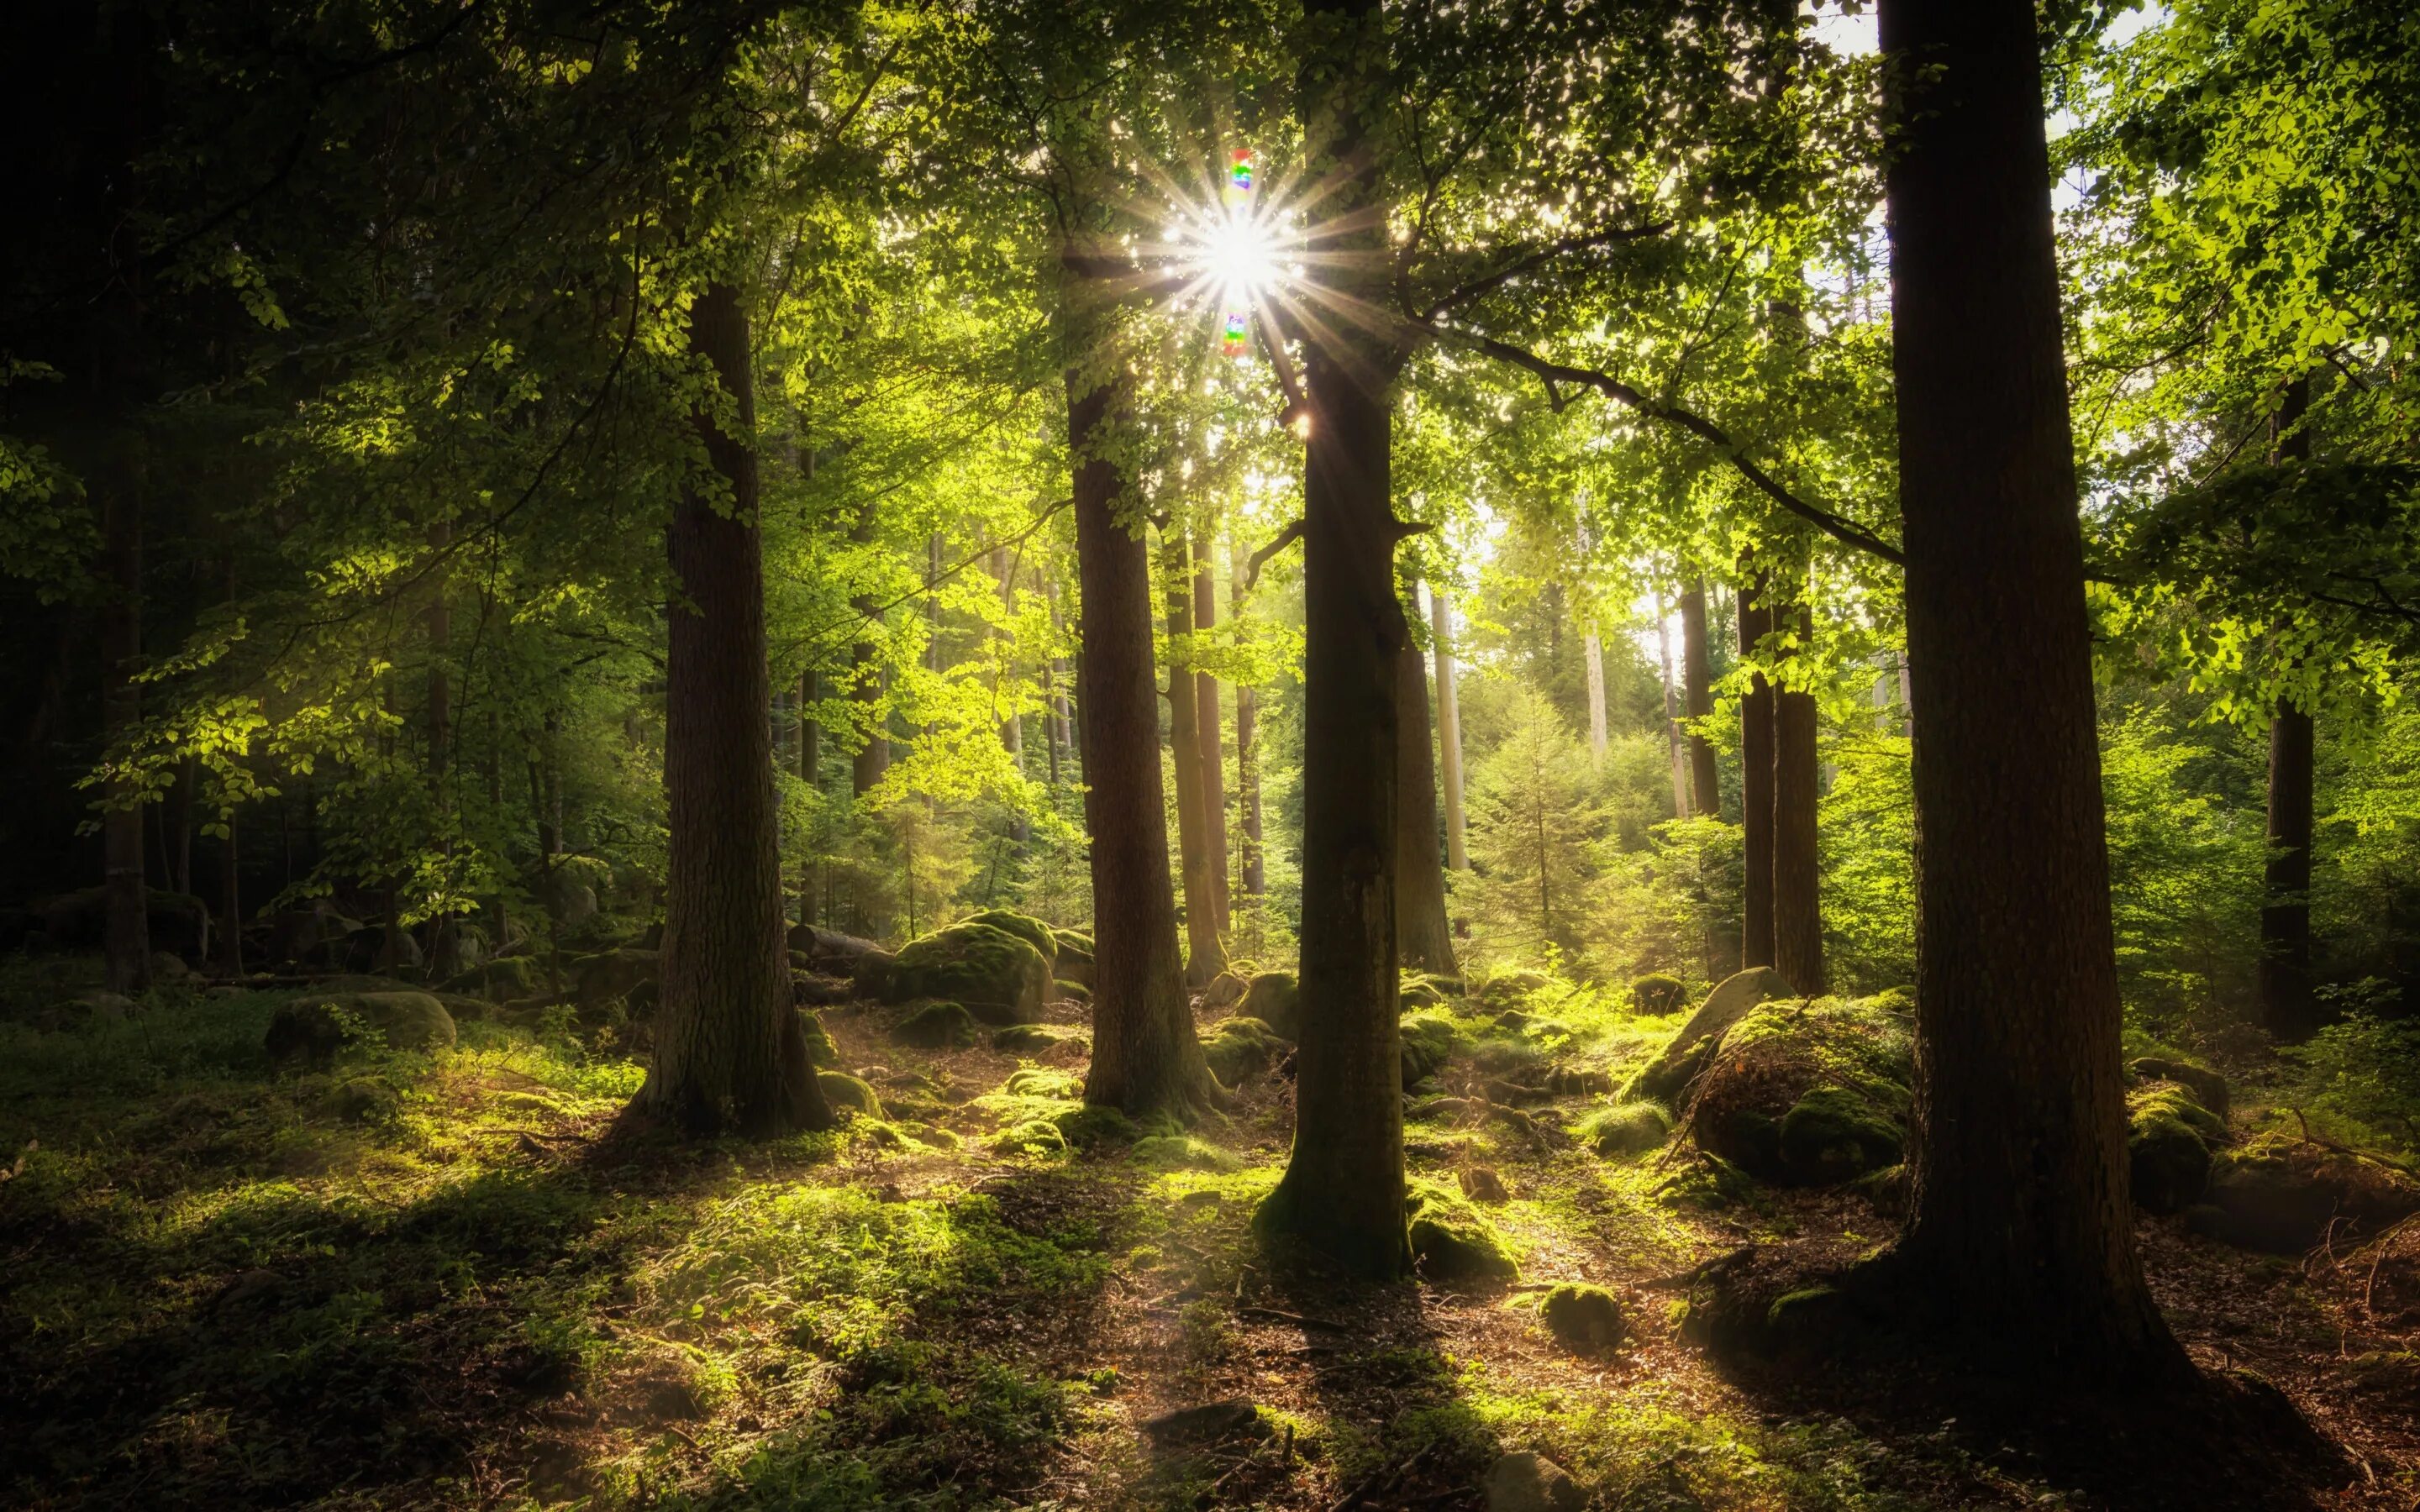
(1241, 1046)
(1507, 989)
(820, 1050)
(1430, 1039)
(1024, 926)
(1706, 1184)
(1021, 1039)
(314, 1027)
(1807, 1094)
(2168, 1140)
(1038, 1081)
(999, 977)
(1659, 993)
(1584, 1319)
(1625, 1128)
(1275, 998)
(1093, 1125)
(1073, 991)
(1837, 1133)
(1169, 1153)
(842, 1090)
(1035, 1137)
(936, 1027)
(1425, 989)
(1451, 1243)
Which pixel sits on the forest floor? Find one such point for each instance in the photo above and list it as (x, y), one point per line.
(449, 1281)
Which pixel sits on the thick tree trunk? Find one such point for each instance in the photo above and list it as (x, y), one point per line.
(1209, 732)
(1449, 706)
(731, 1051)
(1797, 910)
(1145, 1058)
(2020, 1233)
(1205, 957)
(1697, 691)
(1756, 784)
(1342, 1191)
(2288, 1008)
(1423, 939)
(127, 920)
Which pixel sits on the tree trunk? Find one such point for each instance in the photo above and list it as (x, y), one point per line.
(1756, 783)
(1698, 688)
(127, 923)
(2020, 1232)
(230, 906)
(1145, 1058)
(1204, 956)
(1592, 663)
(1423, 939)
(2288, 1008)
(873, 757)
(1247, 758)
(1342, 1191)
(1457, 853)
(731, 1051)
(1674, 750)
(1209, 731)
(811, 731)
(1797, 911)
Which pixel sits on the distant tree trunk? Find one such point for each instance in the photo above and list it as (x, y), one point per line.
(441, 640)
(1698, 687)
(1457, 853)
(1342, 1191)
(1592, 662)
(2020, 1235)
(811, 730)
(1797, 909)
(1012, 726)
(873, 758)
(1209, 731)
(731, 1051)
(2287, 1008)
(1756, 783)
(127, 925)
(1205, 957)
(1145, 1058)
(1422, 937)
(1675, 754)
(1248, 757)
(231, 939)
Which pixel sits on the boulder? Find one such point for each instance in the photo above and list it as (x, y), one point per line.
(1425, 989)
(1075, 959)
(842, 1090)
(2168, 1142)
(1451, 1243)
(1275, 998)
(500, 979)
(176, 921)
(937, 1026)
(1509, 989)
(1240, 1047)
(1225, 990)
(457, 950)
(2208, 1088)
(821, 1051)
(597, 979)
(1028, 1039)
(315, 1027)
(365, 949)
(574, 901)
(2283, 1196)
(1584, 1319)
(1626, 1129)
(1658, 993)
(1684, 1056)
(1481, 1185)
(1531, 1483)
(1024, 926)
(1428, 1040)
(1807, 1094)
(1000, 976)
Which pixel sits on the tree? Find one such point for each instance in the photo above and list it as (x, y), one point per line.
(1206, 955)
(1422, 935)
(1533, 810)
(1797, 912)
(1755, 776)
(1698, 687)
(2020, 1233)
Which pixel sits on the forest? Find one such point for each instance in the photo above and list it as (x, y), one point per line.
(1333, 755)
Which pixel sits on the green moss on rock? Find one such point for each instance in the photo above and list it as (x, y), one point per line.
(998, 976)
(1093, 1125)
(936, 1027)
(1659, 993)
(1025, 1039)
(842, 1090)
(1040, 1081)
(1035, 1137)
(821, 1051)
(1807, 1094)
(1240, 1047)
(1451, 1243)
(1429, 1040)
(315, 1027)
(1024, 926)
(1275, 998)
(1584, 1319)
(1676, 1068)
(1625, 1128)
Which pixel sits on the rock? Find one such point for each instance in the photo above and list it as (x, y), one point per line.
(941, 1025)
(1451, 1243)
(821, 1051)
(167, 970)
(1275, 998)
(1239, 1048)
(999, 977)
(1509, 989)
(176, 921)
(2208, 1088)
(1531, 1483)
(1577, 1081)
(1626, 1129)
(1658, 993)
(597, 979)
(2168, 1141)
(1584, 1319)
(1024, 926)
(1425, 989)
(1033, 1137)
(1036, 1081)
(1479, 1184)
(1075, 961)
(574, 900)
(315, 1027)
(365, 949)
(1073, 992)
(1684, 1056)
(1205, 1423)
(1807, 1094)
(2283, 1196)
(842, 1090)
(94, 1006)
(362, 1100)
(500, 979)
(1225, 988)
(458, 949)
(1428, 1040)
(1021, 1039)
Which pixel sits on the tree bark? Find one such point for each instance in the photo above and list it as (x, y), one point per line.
(1756, 782)
(2020, 1236)
(1342, 1191)
(1592, 663)
(1247, 770)
(1674, 750)
(1797, 909)
(1457, 853)
(1145, 1058)
(873, 756)
(230, 906)
(1423, 939)
(1697, 690)
(126, 921)
(2287, 1009)
(731, 1051)
(1204, 955)
(1209, 731)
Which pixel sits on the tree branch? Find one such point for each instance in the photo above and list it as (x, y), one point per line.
(1253, 563)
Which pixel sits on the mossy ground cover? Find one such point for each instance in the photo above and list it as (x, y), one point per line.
(447, 1280)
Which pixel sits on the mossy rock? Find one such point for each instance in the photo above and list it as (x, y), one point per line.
(500, 979)
(1452, 1244)
(1074, 957)
(1240, 1047)
(1094, 1125)
(2208, 1088)
(362, 1100)
(1886, 1189)
(1425, 989)
(1035, 1137)
(1225, 990)
(2283, 1196)
(943, 1026)
(842, 1090)
(1073, 991)
(1669, 1077)
(1024, 926)
(2167, 1151)
(1429, 1040)
(999, 977)
(1706, 1184)
(1807, 1094)
(1584, 1319)
(1275, 998)
(1028, 1039)
(1659, 993)
(1183, 1152)
(1507, 989)
(1625, 1128)
(821, 1051)
(1040, 1081)
(598, 979)
(314, 1027)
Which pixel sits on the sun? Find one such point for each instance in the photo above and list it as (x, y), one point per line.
(1237, 255)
